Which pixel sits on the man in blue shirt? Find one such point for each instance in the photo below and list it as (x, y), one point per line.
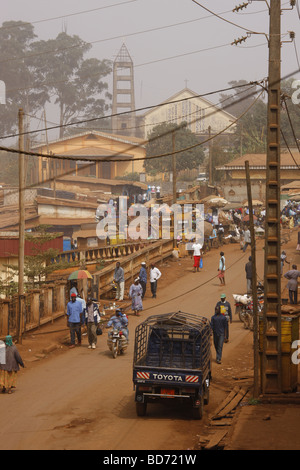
(218, 324)
(143, 278)
(119, 320)
(74, 314)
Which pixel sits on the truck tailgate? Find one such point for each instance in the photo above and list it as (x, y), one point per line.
(144, 375)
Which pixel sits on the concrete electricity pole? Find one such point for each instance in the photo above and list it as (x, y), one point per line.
(271, 357)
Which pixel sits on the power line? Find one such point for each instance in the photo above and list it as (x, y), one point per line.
(120, 36)
(67, 15)
(66, 173)
(291, 124)
(96, 160)
(297, 57)
(227, 21)
(126, 112)
(135, 66)
(160, 122)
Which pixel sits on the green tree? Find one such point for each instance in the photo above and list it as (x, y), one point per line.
(240, 99)
(22, 80)
(39, 265)
(293, 113)
(75, 83)
(161, 142)
(251, 130)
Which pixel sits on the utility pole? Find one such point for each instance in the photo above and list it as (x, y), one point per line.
(21, 225)
(271, 356)
(174, 186)
(174, 168)
(210, 157)
(254, 287)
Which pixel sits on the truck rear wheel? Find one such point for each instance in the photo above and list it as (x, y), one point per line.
(141, 408)
(198, 412)
(206, 394)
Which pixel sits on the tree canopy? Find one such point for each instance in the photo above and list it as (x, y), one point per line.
(161, 142)
(55, 71)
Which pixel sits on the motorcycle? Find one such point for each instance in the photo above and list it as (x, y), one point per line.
(248, 314)
(241, 303)
(117, 342)
(244, 308)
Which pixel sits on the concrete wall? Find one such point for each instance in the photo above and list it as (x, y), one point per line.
(236, 191)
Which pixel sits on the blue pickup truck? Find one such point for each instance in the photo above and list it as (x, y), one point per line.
(172, 360)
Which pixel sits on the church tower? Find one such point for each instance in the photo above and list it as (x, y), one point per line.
(123, 94)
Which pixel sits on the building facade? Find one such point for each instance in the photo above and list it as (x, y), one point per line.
(108, 151)
(186, 106)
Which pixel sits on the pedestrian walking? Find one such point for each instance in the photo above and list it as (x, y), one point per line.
(218, 326)
(247, 239)
(197, 247)
(248, 269)
(74, 314)
(73, 290)
(120, 281)
(283, 259)
(221, 269)
(292, 285)
(155, 274)
(221, 234)
(143, 277)
(225, 309)
(8, 370)
(92, 319)
(136, 293)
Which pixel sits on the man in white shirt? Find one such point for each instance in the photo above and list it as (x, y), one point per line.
(155, 274)
(197, 247)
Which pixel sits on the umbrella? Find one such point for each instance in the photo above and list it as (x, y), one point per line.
(80, 274)
(214, 201)
(255, 202)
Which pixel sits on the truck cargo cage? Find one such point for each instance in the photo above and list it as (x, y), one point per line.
(173, 340)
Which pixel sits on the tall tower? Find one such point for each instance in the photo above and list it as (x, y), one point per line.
(123, 94)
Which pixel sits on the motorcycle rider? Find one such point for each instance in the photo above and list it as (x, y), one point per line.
(119, 320)
(225, 309)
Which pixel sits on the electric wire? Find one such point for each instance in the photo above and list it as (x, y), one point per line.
(10, 90)
(227, 21)
(219, 103)
(120, 36)
(68, 15)
(95, 160)
(125, 112)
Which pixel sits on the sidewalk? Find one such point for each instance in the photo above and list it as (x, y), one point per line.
(266, 427)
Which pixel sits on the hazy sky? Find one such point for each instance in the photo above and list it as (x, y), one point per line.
(158, 74)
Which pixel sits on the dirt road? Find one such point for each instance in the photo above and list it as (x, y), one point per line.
(84, 399)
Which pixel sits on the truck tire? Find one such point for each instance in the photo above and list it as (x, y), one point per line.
(206, 394)
(141, 409)
(198, 412)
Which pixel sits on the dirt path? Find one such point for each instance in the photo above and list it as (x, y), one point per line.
(84, 399)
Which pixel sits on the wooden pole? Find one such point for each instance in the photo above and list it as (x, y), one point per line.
(174, 168)
(271, 358)
(174, 184)
(254, 287)
(210, 158)
(21, 225)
